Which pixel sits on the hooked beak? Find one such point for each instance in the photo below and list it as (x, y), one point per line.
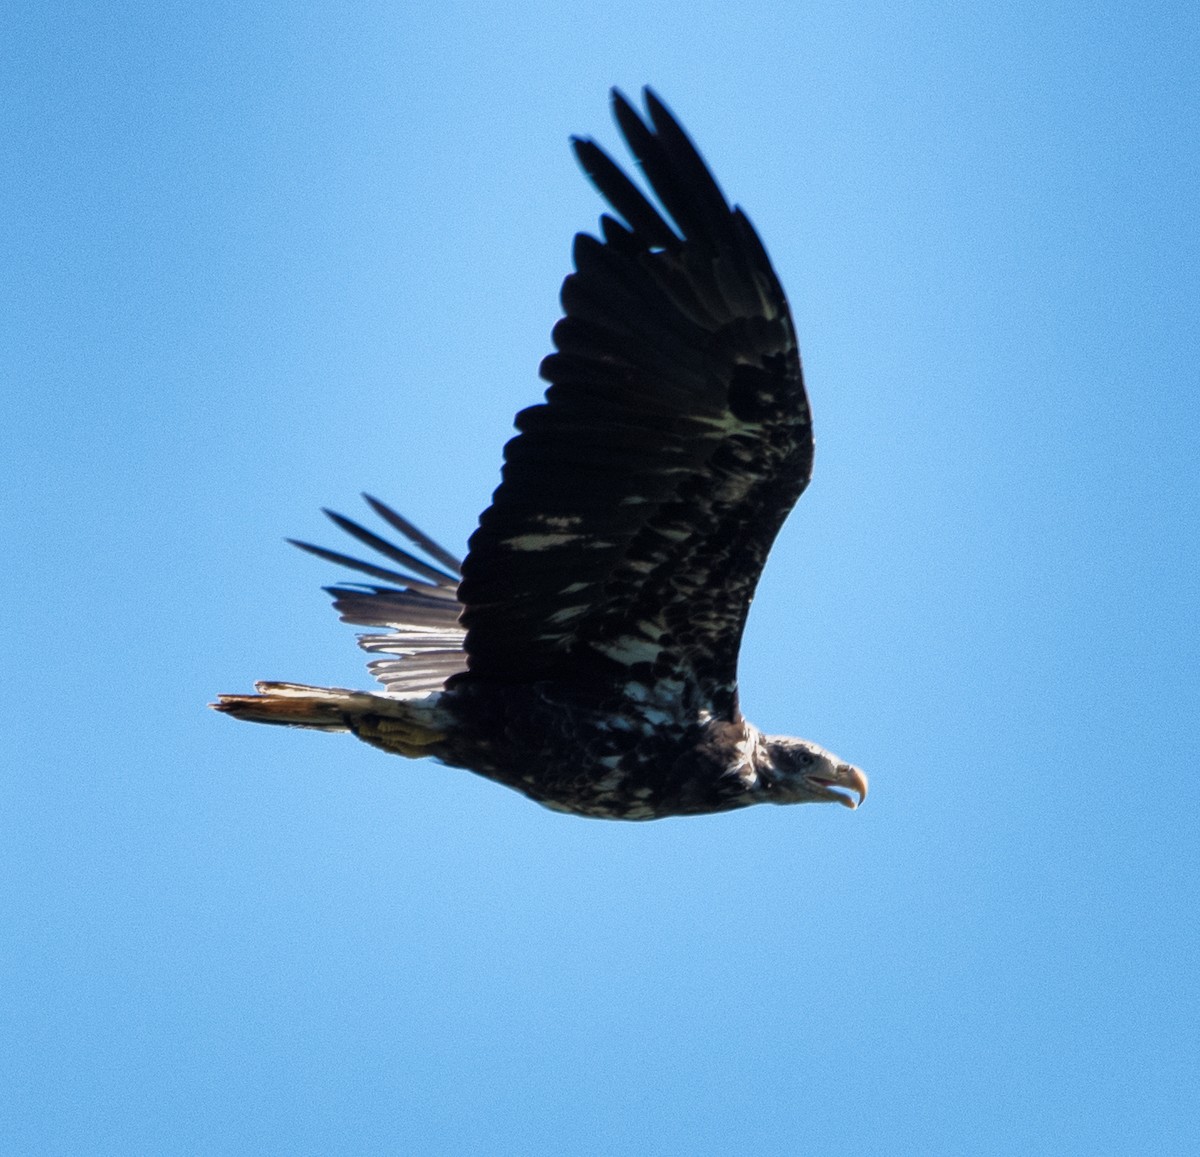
(845, 779)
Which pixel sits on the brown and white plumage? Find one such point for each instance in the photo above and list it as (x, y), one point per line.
(588, 654)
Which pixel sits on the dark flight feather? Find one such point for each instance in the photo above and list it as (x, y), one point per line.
(643, 496)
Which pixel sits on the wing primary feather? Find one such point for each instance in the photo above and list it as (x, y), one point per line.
(624, 196)
(649, 153)
(701, 212)
(617, 236)
(369, 538)
(695, 175)
(420, 538)
(389, 607)
(379, 572)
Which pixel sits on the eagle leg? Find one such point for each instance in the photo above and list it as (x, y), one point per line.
(409, 739)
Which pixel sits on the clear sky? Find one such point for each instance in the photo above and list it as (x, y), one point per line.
(258, 257)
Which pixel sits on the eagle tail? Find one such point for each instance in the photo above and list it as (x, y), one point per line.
(405, 727)
(294, 705)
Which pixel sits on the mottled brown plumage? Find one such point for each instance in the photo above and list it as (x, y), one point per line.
(588, 655)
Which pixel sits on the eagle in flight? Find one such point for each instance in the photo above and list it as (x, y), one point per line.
(585, 651)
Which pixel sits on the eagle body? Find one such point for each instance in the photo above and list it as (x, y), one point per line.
(585, 651)
(578, 750)
(595, 755)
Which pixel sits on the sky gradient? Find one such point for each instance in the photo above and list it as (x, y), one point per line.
(260, 257)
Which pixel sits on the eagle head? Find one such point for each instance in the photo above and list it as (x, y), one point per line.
(796, 771)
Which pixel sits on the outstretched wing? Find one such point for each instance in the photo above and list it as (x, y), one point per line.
(638, 503)
(424, 638)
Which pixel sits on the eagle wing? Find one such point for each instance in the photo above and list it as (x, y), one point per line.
(418, 604)
(639, 501)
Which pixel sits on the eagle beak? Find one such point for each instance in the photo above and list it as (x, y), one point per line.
(846, 778)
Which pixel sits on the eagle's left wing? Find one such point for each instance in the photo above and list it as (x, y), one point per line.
(638, 503)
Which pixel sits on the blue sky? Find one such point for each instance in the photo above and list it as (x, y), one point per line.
(260, 257)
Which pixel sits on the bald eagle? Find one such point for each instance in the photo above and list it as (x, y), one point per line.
(585, 651)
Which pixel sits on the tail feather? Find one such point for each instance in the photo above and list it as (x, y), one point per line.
(297, 705)
(408, 727)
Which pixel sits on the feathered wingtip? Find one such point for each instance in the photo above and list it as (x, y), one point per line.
(676, 172)
(419, 604)
(433, 580)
